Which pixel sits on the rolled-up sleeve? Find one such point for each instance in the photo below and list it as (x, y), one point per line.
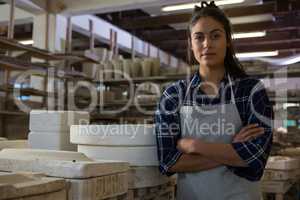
(258, 110)
(167, 128)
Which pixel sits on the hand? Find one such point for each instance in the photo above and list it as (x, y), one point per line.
(188, 145)
(249, 132)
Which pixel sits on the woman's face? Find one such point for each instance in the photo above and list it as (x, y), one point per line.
(208, 39)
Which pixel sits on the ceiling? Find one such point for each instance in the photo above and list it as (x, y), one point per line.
(279, 18)
(167, 30)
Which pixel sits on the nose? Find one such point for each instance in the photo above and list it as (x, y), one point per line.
(206, 42)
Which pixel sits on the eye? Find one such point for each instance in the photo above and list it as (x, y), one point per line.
(199, 37)
(215, 36)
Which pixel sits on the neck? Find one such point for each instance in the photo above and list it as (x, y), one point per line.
(212, 74)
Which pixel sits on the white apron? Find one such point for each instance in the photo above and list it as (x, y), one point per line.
(213, 123)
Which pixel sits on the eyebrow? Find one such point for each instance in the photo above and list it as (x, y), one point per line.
(214, 30)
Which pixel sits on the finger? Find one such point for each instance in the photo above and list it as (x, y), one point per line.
(253, 136)
(248, 135)
(252, 131)
(248, 127)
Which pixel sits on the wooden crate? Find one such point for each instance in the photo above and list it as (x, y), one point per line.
(282, 163)
(161, 192)
(280, 175)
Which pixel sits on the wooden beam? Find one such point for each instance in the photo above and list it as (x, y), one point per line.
(282, 53)
(270, 38)
(284, 24)
(263, 46)
(287, 22)
(288, 46)
(269, 47)
(158, 21)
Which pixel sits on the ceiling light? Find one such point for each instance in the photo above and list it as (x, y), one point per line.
(257, 54)
(249, 35)
(293, 60)
(26, 42)
(252, 19)
(282, 61)
(192, 5)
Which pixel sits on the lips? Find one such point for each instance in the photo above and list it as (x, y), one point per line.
(208, 54)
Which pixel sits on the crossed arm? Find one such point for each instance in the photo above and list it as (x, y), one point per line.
(198, 155)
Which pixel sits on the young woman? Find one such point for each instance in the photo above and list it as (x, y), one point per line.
(214, 129)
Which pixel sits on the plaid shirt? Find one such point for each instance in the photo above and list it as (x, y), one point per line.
(252, 103)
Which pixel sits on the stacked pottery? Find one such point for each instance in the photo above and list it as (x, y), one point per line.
(108, 70)
(127, 65)
(87, 179)
(101, 53)
(146, 67)
(100, 72)
(280, 171)
(155, 67)
(118, 68)
(30, 186)
(51, 129)
(135, 144)
(136, 67)
(132, 143)
(90, 69)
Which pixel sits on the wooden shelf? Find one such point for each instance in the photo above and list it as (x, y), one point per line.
(6, 112)
(79, 57)
(24, 91)
(13, 63)
(13, 45)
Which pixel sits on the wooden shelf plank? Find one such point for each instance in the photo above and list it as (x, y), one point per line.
(6, 112)
(13, 63)
(9, 44)
(24, 91)
(79, 57)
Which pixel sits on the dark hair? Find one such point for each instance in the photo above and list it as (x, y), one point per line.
(232, 65)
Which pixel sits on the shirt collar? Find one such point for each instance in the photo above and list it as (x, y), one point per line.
(196, 79)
